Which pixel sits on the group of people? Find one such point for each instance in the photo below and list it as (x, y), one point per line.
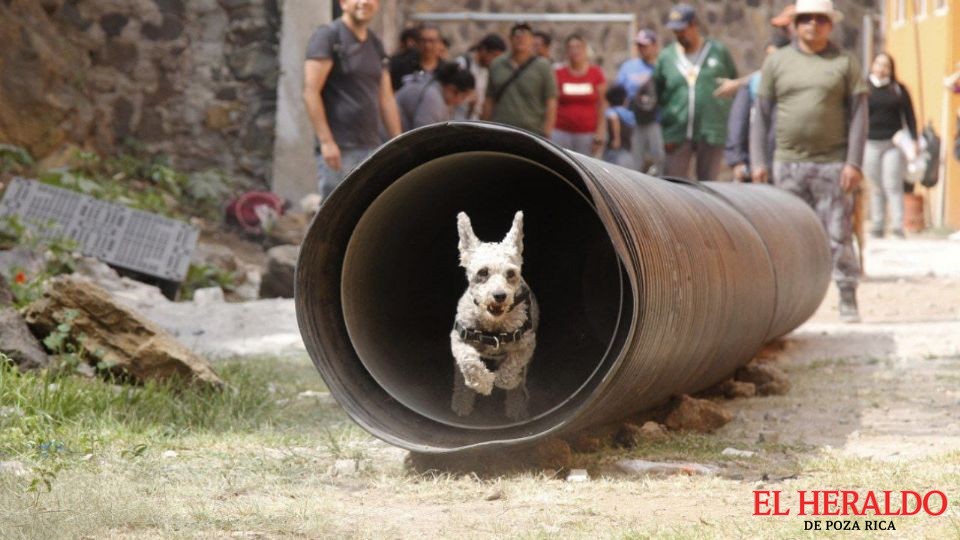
(808, 120)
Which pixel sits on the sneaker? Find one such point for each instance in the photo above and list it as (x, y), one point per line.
(849, 313)
(876, 234)
(898, 234)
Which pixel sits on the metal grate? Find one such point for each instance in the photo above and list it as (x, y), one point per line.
(117, 235)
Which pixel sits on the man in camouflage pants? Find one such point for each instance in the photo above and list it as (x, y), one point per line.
(821, 108)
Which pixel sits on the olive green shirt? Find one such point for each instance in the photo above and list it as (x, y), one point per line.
(524, 103)
(812, 94)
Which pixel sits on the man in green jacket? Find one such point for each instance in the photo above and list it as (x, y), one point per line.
(694, 121)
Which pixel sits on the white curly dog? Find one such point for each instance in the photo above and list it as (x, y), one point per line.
(494, 334)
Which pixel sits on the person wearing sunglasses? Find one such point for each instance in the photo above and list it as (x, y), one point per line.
(820, 97)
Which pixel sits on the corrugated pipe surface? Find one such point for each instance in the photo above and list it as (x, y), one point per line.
(647, 287)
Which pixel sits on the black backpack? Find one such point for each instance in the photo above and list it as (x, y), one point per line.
(956, 142)
(340, 54)
(932, 175)
(644, 104)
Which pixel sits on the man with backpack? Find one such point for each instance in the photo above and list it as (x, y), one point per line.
(636, 76)
(346, 88)
(522, 89)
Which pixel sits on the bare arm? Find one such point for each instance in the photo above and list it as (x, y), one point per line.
(550, 117)
(487, 112)
(315, 73)
(601, 117)
(728, 88)
(388, 106)
(615, 142)
(759, 124)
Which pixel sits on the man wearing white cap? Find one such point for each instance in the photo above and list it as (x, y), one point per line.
(821, 129)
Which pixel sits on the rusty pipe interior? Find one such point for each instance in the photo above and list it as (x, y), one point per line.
(647, 287)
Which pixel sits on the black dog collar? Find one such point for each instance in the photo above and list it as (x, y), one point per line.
(469, 335)
(495, 339)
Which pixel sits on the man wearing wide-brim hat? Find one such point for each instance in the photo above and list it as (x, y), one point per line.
(821, 118)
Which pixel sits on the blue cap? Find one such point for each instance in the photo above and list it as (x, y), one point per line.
(680, 17)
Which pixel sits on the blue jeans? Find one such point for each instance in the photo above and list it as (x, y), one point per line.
(328, 179)
(648, 153)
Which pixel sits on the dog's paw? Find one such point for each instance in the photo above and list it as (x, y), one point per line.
(462, 402)
(478, 378)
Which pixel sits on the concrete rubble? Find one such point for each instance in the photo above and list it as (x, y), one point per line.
(119, 337)
(16, 341)
(768, 379)
(213, 329)
(700, 415)
(277, 280)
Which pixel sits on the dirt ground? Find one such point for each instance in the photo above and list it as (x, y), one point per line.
(873, 406)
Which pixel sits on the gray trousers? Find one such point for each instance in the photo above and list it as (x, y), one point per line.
(709, 160)
(884, 165)
(647, 148)
(328, 179)
(819, 185)
(578, 142)
(621, 157)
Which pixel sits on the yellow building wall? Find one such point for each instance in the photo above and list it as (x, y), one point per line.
(926, 49)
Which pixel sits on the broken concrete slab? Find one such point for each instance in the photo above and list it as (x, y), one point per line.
(114, 333)
(16, 340)
(213, 330)
(18, 343)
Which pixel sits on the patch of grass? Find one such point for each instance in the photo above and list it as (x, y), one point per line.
(14, 159)
(64, 416)
(252, 458)
(831, 362)
(255, 461)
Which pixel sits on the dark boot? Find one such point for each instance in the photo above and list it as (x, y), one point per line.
(849, 313)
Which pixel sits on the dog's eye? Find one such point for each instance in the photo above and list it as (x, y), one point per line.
(483, 272)
(511, 274)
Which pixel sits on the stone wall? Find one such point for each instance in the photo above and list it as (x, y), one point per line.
(193, 79)
(197, 79)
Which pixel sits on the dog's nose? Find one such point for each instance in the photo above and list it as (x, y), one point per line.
(500, 297)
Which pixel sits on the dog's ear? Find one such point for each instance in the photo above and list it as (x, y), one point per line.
(514, 238)
(468, 240)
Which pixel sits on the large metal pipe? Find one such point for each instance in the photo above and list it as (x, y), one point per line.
(648, 287)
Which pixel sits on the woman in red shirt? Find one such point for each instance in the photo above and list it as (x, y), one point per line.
(580, 105)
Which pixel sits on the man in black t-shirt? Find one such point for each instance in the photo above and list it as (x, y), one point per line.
(346, 88)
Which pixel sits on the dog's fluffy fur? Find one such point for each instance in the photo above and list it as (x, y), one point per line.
(490, 304)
